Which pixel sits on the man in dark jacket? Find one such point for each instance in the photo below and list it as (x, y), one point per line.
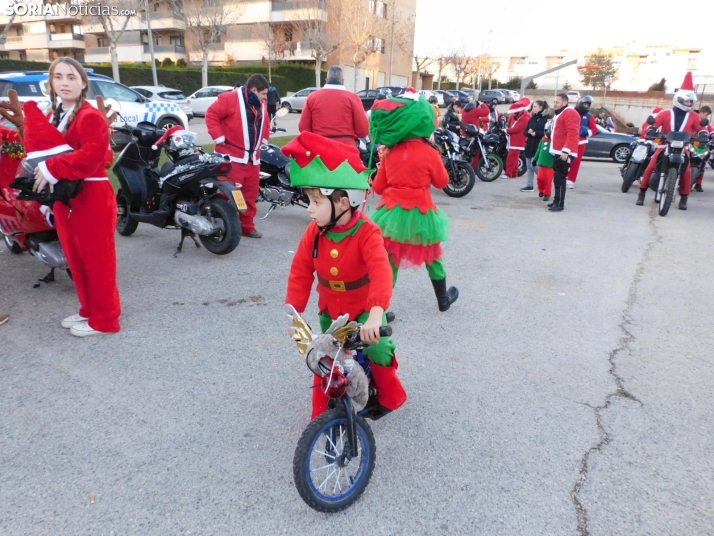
(534, 133)
(273, 100)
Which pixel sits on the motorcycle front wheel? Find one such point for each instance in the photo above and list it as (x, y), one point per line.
(630, 176)
(667, 195)
(490, 168)
(327, 478)
(227, 239)
(461, 181)
(522, 168)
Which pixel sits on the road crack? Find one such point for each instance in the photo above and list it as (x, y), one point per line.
(623, 346)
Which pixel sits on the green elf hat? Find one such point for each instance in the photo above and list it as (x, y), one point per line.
(318, 162)
(406, 117)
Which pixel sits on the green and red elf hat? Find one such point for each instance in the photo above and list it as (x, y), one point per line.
(318, 162)
(406, 117)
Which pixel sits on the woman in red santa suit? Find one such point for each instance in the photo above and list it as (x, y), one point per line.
(86, 231)
(681, 118)
(518, 121)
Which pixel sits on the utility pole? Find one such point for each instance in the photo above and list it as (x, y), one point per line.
(391, 42)
(151, 45)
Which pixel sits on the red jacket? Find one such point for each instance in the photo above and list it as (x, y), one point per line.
(406, 174)
(565, 133)
(227, 124)
(88, 135)
(476, 115)
(665, 122)
(346, 254)
(334, 112)
(516, 132)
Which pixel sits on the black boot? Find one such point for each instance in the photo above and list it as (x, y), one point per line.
(641, 197)
(683, 202)
(443, 296)
(698, 188)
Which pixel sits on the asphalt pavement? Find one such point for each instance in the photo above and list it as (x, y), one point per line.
(567, 392)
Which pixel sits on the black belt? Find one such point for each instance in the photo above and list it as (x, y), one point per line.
(342, 286)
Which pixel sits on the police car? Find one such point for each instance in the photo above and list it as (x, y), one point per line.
(32, 85)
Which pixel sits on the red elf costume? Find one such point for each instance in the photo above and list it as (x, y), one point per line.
(350, 261)
(516, 131)
(412, 225)
(86, 231)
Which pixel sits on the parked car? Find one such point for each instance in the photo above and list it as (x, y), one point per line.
(460, 94)
(135, 108)
(297, 101)
(494, 96)
(368, 96)
(166, 94)
(447, 97)
(395, 90)
(608, 144)
(573, 96)
(472, 93)
(204, 97)
(511, 95)
(439, 96)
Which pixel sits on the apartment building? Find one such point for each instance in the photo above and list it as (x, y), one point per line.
(45, 37)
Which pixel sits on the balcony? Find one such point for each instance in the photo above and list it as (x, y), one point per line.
(66, 40)
(297, 11)
(165, 49)
(293, 51)
(164, 21)
(15, 42)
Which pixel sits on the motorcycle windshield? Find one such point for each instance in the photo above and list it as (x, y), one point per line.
(678, 136)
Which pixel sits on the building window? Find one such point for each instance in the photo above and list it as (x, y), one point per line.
(103, 42)
(376, 44)
(176, 40)
(372, 6)
(4, 56)
(288, 33)
(23, 55)
(691, 63)
(217, 39)
(381, 10)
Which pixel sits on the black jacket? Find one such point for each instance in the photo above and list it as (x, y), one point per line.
(273, 96)
(451, 120)
(537, 124)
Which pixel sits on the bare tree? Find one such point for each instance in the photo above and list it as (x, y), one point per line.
(460, 62)
(320, 30)
(115, 25)
(271, 38)
(361, 30)
(3, 35)
(442, 61)
(422, 63)
(489, 66)
(208, 22)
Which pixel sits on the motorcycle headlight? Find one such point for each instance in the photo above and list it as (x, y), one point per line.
(677, 144)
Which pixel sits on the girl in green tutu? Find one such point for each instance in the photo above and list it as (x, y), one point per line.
(412, 226)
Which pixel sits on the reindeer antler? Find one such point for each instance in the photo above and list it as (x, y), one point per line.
(12, 109)
(105, 109)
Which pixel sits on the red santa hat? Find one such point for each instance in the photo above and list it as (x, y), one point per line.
(42, 139)
(688, 82)
(519, 106)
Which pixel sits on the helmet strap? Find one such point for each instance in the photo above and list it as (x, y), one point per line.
(324, 230)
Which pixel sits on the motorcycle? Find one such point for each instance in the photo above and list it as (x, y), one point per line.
(702, 150)
(275, 187)
(335, 455)
(478, 150)
(671, 165)
(462, 177)
(641, 152)
(189, 192)
(497, 140)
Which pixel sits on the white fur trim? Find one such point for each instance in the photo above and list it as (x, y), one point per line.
(50, 152)
(219, 140)
(50, 178)
(515, 111)
(334, 86)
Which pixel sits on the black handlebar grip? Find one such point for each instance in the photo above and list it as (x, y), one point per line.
(391, 317)
(385, 331)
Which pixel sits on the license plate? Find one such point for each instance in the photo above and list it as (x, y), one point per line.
(639, 154)
(239, 199)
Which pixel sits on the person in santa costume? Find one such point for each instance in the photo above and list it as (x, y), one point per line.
(412, 225)
(77, 136)
(239, 124)
(476, 113)
(565, 135)
(345, 249)
(588, 127)
(680, 118)
(519, 116)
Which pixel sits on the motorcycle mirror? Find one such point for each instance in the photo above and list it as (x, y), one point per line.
(116, 107)
(282, 112)
(651, 120)
(703, 122)
(630, 125)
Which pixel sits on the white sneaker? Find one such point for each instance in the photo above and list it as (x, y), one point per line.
(72, 320)
(83, 330)
(570, 184)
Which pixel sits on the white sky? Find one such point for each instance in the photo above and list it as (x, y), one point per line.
(542, 26)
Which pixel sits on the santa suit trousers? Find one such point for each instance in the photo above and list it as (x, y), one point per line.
(545, 180)
(685, 183)
(248, 175)
(512, 162)
(575, 164)
(86, 233)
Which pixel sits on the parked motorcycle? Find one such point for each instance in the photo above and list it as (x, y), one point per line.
(480, 153)
(672, 165)
(335, 455)
(641, 152)
(497, 141)
(702, 150)
(462, 177)
(190, 191)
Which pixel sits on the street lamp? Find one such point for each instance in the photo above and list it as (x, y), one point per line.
(151, 44)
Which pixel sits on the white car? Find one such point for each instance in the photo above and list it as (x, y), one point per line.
(165, 94)
(204, 97)
(573, 96)
(439, 97)
(297, 101)
(134, 108)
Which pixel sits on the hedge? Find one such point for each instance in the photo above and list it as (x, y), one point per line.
(286, 77)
